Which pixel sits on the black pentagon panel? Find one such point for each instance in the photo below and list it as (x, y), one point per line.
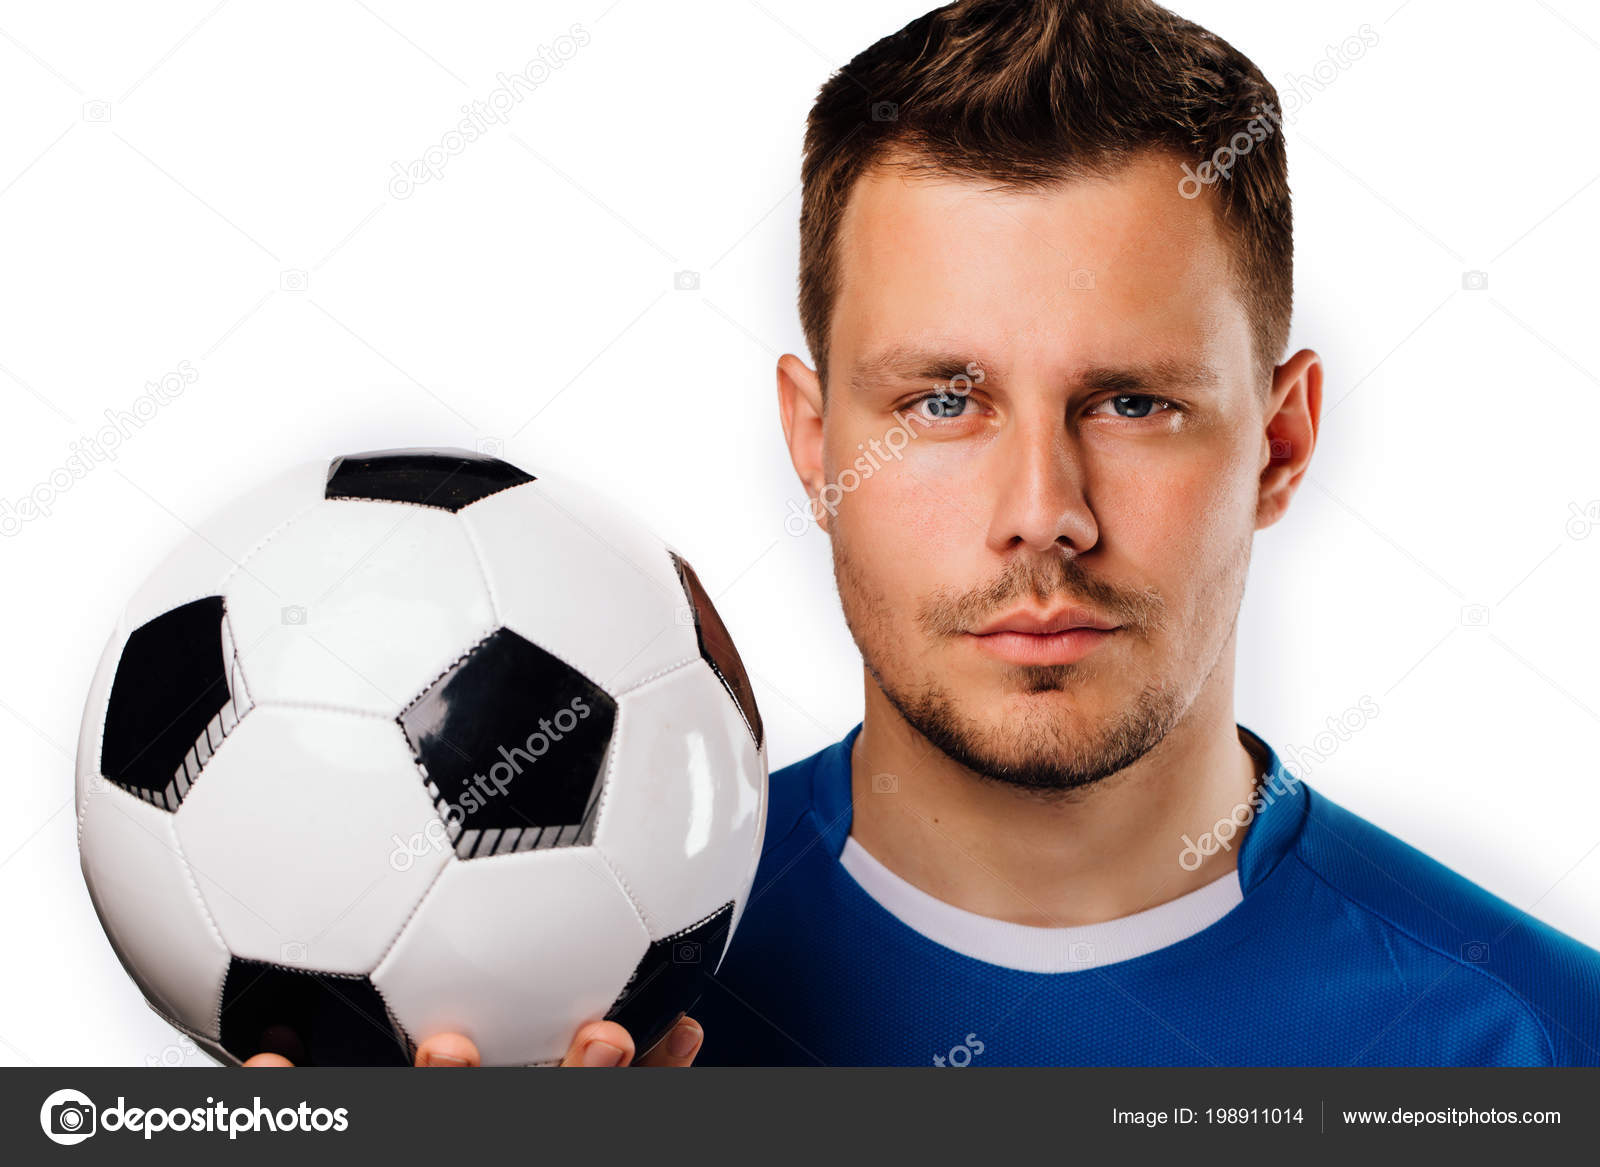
(512, 744)
(716, 646)
(670, 979)
(449, 479)
(176, 694)
(311, 1018)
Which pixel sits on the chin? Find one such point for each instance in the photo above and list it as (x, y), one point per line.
(1046, 739)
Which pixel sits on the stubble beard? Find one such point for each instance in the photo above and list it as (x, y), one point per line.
(1044, 750)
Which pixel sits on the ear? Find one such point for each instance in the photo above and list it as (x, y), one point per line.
(1294, 410)
(800, 406)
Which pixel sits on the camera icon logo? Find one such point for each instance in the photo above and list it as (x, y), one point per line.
(1474, 281)
(292, 614)
(67, 1117)
(686, 281)
(98, 110)
(294, 280)
(173, 1055)
(885, 111)
(686, 952)
(1583, 520)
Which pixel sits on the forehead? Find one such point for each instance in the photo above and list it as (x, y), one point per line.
(1083, 272)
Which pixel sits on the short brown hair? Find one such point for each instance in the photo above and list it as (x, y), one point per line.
(1032, 92)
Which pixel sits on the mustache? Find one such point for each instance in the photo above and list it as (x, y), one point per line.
(951, 612)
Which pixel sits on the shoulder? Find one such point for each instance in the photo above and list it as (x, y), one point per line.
(788, 800)
(794, 793)
(770, 966)
(1485, 944)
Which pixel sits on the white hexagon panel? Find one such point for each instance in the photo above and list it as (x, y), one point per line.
(413, 741)
(587, 558)
(679, 845)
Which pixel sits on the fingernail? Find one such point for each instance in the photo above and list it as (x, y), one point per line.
(601, 1053)
(682, 1040)
(435, 1058)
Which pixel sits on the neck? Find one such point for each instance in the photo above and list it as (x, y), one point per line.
(1010, 855)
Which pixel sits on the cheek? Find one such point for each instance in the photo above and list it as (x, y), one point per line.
(1183, 510)
(903, 525)
(943, 493)
(1179, 525)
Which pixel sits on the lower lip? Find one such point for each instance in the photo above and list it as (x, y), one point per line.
(1054, 648)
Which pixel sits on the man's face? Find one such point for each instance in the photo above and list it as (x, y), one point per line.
(1041, 409)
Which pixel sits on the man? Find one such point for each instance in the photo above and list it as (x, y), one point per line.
(1046, 273)
(1013, 249)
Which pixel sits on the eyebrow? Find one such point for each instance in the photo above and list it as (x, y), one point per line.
(911, 363)
(1167, 373)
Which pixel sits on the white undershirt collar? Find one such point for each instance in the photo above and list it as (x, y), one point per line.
(1043, 950)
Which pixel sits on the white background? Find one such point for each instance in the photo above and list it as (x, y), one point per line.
(210, 183)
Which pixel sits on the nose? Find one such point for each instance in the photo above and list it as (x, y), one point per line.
(1040, 499)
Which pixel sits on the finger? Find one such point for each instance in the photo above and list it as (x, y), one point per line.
(448, 1050)
(268, 1061)
(600, 1043)
(678, 1048)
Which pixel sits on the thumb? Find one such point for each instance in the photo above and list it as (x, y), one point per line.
(678, 1047)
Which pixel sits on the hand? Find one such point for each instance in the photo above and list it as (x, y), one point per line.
(600, 1043)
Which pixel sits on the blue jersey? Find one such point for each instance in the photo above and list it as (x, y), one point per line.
(1348, 947)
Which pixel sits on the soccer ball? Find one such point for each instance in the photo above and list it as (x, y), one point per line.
(416, 743)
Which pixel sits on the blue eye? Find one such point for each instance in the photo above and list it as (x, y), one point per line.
(1140, 405)
(944, 404)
